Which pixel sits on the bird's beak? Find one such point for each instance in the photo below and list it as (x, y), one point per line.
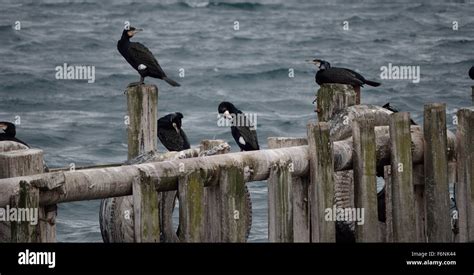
(135, 31)
(227, 114)
(313, 62)
(176, 127)
(3, 126)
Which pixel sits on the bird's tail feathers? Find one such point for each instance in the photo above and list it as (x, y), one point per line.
(171, 81)
(372, 83)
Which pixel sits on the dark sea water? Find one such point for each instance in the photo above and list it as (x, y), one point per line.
(77, 122)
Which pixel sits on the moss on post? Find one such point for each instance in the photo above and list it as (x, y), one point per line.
(146, 209)
(280, 203)
(465, 171)
(299, 193)
(27, 200)
(402, 190)
(322, 182)
(233, 206)
(142, 102)
(191, 207)
(365, 184)
(436, 174)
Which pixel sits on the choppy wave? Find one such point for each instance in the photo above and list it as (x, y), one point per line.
(230, 5)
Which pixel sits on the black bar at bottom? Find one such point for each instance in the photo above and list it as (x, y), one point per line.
(97, 257)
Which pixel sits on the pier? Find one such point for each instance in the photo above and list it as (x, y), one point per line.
(303, 174)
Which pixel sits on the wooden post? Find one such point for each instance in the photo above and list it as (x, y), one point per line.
(27, 200)
(299, 194)
(280, 203)
(233, 206)
(332, 98)
(365, 183)
(145, 209)
(17, 160)
(465, 171)
(419, 192)
(436, 174)
(212, 199)
(21, 163)
(142, 102)
(321, 165)
(403, 197)
(191, 207)
(388, 204)
(452, 174)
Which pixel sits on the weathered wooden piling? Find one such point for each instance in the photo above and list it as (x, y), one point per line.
(191, 206)
(299, 222)
(419, 192)
(142, 103)
(403, 198)
(388, 203)
(332, 98)
(21, 162)
(212, 198)
(18, 160)
(365, 183)
(145, 209)
(465, 173)
(436, 174)
(280, 203)
(233, 207)
(322, 182)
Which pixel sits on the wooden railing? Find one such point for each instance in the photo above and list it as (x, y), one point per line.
(301, 180)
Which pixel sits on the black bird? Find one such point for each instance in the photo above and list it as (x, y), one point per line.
(9, 132)
(328, 74)
(141, 58)
(170, 133)
(245, 135)
(471, 72)
(395, 110)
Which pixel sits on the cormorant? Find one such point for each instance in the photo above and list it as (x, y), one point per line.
(471, 72)
(328, 74)
(245, 137)
(170, 133)
(141, 58)
(395, 110)
(9, 132)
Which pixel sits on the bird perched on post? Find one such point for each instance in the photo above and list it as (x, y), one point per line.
(243, 131)
(141, 58)
(9, 132)
(328, 74)
(171, 134)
